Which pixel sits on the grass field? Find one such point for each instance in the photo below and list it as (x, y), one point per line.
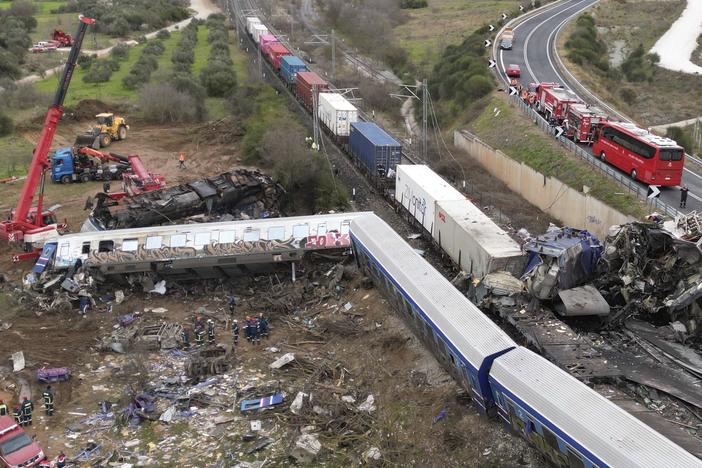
(670, 96)
(516, 136)
(16, 152)
(444, 22)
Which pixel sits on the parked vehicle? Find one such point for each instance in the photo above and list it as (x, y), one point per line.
(513, 70)
(107, 129)
(644, 156)
(374, 149)
(582, 122)
(17, 449)
(336, 113)
(64, 39)
(553, 102)
(507, 39)
(76, 165)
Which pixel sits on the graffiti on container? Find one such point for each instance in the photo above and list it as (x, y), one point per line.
(593, 220)
(329, 240)
(416, 205)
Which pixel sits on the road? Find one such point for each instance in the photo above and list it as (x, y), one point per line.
(533, 51)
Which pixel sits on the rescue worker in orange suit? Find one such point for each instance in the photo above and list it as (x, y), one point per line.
(3, 408)
(181, 161)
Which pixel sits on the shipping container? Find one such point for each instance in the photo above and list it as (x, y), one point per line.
(418, 188)
(337, 113)
(250, 21)
(265, 39)
(474, 241)
(305, 82)
(374, 148)
(274, 52)
(257, 31)
(290, 65)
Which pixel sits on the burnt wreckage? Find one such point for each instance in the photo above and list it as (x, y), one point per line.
(241, 193)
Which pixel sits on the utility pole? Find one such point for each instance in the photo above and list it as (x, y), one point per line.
(315, 115)
(326, 39)
(333, 47)
(260, 64)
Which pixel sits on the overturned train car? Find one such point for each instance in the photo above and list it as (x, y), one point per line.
(242, 191)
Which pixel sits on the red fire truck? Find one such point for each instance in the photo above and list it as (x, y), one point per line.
(644, 156)
(582, 121)
(553, 102)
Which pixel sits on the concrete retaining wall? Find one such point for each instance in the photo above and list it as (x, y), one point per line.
(571, 207)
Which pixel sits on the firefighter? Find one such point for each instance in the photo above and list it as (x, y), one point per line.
(199, 331)
(3, 408)
(27, 408)
(257, 332)
(181, 160)
(185, 338)
(17, 413)
(248, 329)
(210, 332)
(231, 301)
(84, 305)
(48, 396)
(235, 332)
(263, 324)
(61, 460)
(683, 196)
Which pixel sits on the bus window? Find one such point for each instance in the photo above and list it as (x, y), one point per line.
(671, 154)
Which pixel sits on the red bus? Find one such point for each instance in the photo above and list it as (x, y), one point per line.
(644, 156)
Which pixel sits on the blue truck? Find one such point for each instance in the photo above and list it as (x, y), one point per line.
(290, 66)
(85, 164)
(374, 149)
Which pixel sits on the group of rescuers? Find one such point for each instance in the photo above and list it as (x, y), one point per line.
(255, 328)
(23, 411)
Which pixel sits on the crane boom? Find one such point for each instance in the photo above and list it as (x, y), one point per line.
(21, 221)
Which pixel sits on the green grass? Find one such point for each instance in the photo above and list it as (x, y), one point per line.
(202, 51)
(15, 154)
(516, 136)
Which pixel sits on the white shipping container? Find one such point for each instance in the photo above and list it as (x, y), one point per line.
(337, 113)
(474, 241)
(250, 21)
(258, 31)
(418, 188)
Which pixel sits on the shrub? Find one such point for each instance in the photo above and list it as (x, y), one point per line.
(186, 56)
(119, 27)
(585, 47)
(629, 95)
(163, 103)
(163, 34)
(413, 4)
(85, 60)
(120, 52)
(218, 79)
(154, 48)
(6, 125)
(100, 71)
(639, 66)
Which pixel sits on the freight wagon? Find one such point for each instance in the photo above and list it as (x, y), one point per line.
(257, 31)
(275, 51)
(418, 188)
(304, 85)
(473, 241)
(290, 66)
(337, 114)
(250, 22)
(264, 40)
(374, 149)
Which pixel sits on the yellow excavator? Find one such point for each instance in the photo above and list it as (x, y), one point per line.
(108, 128)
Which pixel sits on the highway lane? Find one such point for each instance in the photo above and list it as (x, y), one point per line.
(532, 50)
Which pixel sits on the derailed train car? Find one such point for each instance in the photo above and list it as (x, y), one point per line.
(569, 422)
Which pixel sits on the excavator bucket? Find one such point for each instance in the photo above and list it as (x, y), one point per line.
(89, 139)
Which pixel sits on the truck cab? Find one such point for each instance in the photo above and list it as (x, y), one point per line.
(16, 447)
(66, 167)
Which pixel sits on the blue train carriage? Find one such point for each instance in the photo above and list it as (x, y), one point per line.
(464, 340)
(376, 151)
(290, 66)
(571, 423)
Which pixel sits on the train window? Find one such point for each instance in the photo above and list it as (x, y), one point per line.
(106, 246)
(86, 248)
(345, 227)
(550, 437)
(178, 240)
(251, 235)
(300, 231)
(202, 238)
(574, 459)
(130, 245)
(276, 233)
(321, 229)
(226, 237)
(63, 250)
(153, 242)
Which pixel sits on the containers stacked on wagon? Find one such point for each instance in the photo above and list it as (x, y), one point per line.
(290, 66)
(250, 22)
(304, 86)
(266, 39)
(275, 51)
(337, 114)
(258, 30)
(372, 147)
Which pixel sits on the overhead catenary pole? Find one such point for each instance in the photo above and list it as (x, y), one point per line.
(333, 47)
(425, 100)
(260, 64)
(315, 116)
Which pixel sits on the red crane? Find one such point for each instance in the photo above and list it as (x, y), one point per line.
(26, 222)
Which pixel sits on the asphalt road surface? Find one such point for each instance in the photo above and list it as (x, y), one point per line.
(533, 52)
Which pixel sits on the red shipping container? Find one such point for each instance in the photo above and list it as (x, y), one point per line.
(305, 81)
(275, 51)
